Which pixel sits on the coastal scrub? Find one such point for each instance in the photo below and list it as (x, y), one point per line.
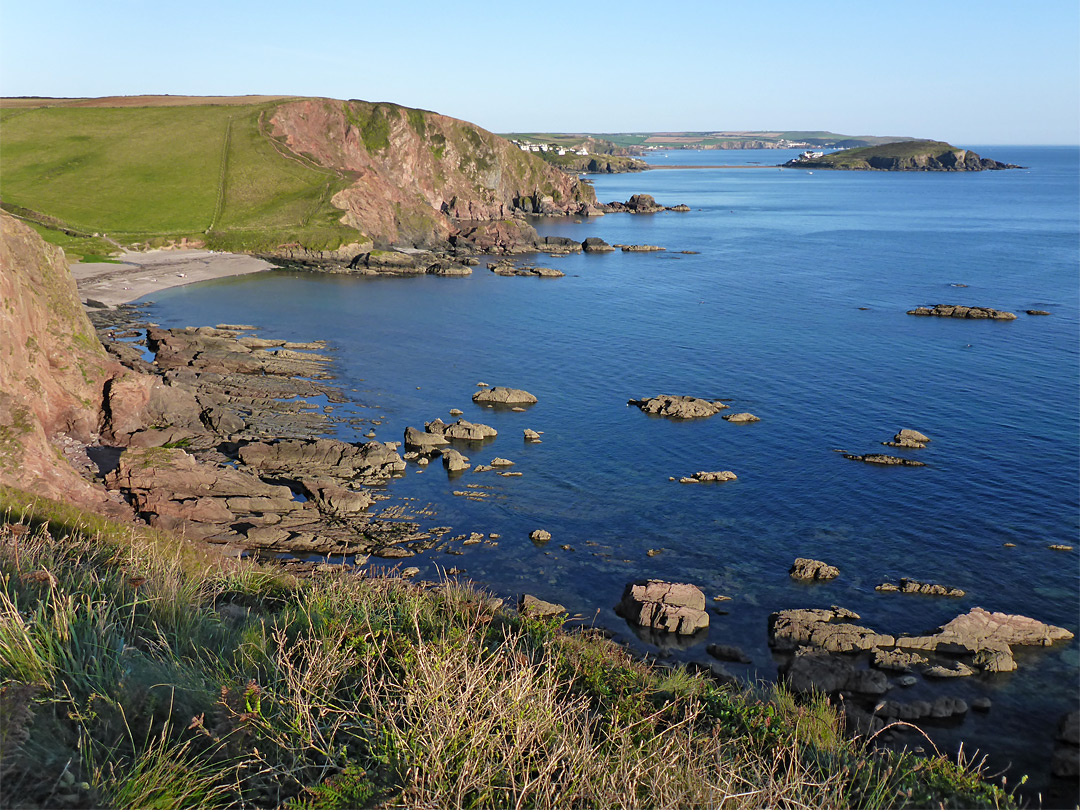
(139, 670)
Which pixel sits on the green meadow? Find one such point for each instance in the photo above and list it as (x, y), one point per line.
(151, 174)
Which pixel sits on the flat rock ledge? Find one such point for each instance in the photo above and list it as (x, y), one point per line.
(665, 606)
(907, 585)
(884, 460)
(507, 267)
(807, 570)
(501, 395)
(985, 639)
(969, 313)
(678, 407)
(703, 477)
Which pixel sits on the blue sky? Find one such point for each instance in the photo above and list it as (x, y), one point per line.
(969, 72)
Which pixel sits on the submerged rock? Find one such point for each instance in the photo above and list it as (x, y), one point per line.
(813, 670)
(726, 652)
(881, 458)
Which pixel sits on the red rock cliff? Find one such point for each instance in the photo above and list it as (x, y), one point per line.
(52, 368)
(413, 174)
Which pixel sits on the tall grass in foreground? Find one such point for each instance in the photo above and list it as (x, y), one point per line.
(135, 672)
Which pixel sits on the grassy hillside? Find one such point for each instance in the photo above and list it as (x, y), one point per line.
(138, 671)
(858, 158)
(137, 173)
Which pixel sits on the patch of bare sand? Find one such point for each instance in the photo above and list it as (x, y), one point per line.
(141, 274)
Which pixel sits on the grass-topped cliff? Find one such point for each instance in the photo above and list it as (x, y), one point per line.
(137, 671)
(927, 156)
(257, 173)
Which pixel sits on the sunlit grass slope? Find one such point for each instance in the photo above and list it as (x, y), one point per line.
(138, 671)
(165, 172)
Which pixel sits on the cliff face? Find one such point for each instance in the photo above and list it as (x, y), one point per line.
(414, 174)
(52, 368)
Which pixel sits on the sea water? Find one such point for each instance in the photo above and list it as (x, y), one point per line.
(791, 306)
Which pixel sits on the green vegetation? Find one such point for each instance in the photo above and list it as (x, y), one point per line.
(861, 158)
(77, 248)
(373, 122)
(139, 671)
(141, 174)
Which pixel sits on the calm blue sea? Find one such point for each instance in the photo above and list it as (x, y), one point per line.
(794, 309)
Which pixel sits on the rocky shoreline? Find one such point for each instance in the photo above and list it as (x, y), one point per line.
(214, 438)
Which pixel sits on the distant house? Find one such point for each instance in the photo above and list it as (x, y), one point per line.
(581, 151)
(560, 151)
(809, 155)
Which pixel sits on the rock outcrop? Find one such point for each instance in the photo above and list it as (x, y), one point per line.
(670, 607)
(828, 630)
(704, 477)
(52, 370)
(504, 396)
(531, 607)
(907, 585)
(741, 418)
(678, 407)
(417, 178)
(910, 439)
(807, 570)
(462, 430)
(958, 311)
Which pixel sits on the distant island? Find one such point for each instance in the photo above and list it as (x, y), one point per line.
(902, 156)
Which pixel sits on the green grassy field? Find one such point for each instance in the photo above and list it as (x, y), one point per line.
(907, 149)
(149, 174)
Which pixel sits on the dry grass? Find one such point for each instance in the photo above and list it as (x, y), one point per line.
(132, 675)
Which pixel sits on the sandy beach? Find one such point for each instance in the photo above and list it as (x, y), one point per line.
(140, 274)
